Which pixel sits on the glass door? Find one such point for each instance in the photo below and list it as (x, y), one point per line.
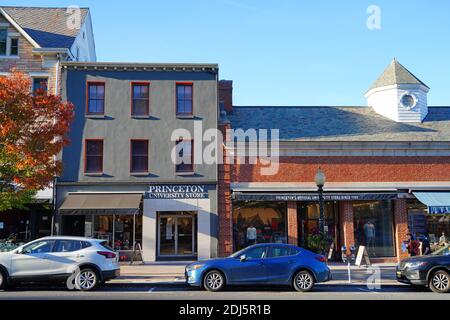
(167, 239)
(185, 236)
(177, 235)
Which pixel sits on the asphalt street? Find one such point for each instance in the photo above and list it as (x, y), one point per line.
(179, 291)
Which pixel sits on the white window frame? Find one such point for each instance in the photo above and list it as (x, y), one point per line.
(9, 37)
(9, 46)
(34, 75)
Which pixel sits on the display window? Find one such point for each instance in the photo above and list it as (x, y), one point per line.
(259, 222)
(422, 224)
(374, 227)
(308, 217)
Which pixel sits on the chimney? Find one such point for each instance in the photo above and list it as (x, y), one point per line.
(226, 95)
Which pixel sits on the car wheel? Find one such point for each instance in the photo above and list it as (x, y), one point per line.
(440, 282)
(86, 280)
(2, 280)
(214, 281)
(303, 281)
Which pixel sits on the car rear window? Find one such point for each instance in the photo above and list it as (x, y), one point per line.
(105, 245)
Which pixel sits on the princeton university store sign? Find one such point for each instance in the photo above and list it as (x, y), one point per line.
(177, 191)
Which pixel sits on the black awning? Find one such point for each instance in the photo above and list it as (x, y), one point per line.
(309, 196)
(101, 204)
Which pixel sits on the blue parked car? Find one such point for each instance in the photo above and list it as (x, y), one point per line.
(261, 264)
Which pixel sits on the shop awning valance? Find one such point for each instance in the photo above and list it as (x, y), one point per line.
(437, 202)
(328, 196)
(101, 204)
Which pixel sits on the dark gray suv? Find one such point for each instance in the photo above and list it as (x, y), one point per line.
(432, 270)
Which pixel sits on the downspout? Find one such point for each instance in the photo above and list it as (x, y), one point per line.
(58, 57)
(55, 179)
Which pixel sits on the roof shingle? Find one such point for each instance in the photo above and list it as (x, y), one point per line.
(47, 26)
(341, 124)
(396, 73)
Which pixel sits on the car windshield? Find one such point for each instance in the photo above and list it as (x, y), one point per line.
(444, 251)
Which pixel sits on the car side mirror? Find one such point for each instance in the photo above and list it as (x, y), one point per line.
(19, 251)
(243, 258)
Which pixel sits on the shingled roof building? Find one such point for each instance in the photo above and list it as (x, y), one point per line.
(35, 41)
(387, 169)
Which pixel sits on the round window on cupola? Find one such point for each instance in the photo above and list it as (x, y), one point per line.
(408, 100)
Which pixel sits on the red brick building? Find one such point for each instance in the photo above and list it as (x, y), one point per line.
(382, 162)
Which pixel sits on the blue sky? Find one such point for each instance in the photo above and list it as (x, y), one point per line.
(280, 52)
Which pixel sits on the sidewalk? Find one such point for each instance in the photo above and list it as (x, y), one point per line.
(173, 272)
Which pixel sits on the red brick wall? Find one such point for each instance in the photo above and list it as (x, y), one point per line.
(226, 94)
(401, 226)
(224, 203)
(346, 223)
(350, 169)
(292, 222)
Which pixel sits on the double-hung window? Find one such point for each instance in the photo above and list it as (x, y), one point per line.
(14, 47)
(185, 94)
(3, 41)
(95, 98)
(185, 154)
(139, 156)
(140, 99)
(9, 43)
(94, 156)
(40, 85)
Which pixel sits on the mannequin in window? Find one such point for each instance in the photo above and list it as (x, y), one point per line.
(251, 235)
(369, 233)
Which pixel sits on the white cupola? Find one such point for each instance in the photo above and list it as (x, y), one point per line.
(399, 95)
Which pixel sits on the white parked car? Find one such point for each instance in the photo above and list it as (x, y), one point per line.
(82, 263)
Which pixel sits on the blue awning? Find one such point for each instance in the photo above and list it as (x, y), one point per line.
(437, 202)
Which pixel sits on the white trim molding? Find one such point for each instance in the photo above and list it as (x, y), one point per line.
(19, 28)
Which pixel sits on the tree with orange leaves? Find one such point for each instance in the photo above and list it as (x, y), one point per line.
(33, 131)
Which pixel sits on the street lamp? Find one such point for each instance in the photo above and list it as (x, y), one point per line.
(320, 180)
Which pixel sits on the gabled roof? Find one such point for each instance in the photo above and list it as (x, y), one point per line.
(396, 73)
(46, 26)
(341, 124)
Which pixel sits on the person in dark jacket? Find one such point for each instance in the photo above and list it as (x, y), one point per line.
(426, 246)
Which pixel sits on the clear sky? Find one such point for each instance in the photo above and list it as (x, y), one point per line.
(280, 52)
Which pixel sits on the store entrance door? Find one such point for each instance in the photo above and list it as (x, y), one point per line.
(177, 234)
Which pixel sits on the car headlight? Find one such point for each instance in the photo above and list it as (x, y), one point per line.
(195, 266)
(415, 265)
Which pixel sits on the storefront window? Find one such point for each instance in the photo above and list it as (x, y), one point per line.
(103, 228)
(438, 226)
(258, 222)
(374, 227)
(421, 223)
(309, 220)
(118, 230)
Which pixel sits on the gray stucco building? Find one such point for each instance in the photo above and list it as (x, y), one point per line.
(120, 181)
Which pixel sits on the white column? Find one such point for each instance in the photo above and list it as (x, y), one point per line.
(149, 233)
(203, 229)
